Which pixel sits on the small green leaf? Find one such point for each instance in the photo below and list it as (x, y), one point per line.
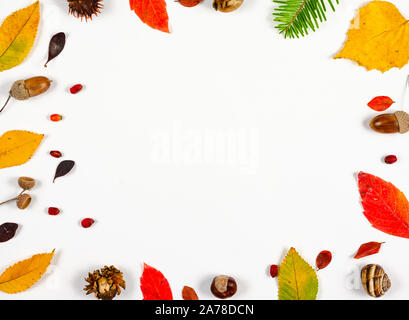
(297, 280)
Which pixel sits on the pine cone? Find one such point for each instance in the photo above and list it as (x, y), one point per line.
(105, 283)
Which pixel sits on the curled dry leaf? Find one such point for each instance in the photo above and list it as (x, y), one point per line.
(24, 274)
(8, 231)
(368, 249)
(189, 293)
(323, 259)
(64, 168)
(57, 44)
(17, 147)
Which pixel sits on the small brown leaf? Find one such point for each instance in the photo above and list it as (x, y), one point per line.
(8, 231)
(189, 293)
(64, 168)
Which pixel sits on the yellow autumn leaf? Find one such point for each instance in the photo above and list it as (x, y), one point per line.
(24, 274)
(378, 37)
(17, 35)
(17, 147)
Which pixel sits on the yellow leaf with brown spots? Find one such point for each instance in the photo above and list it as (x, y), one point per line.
(24, 274)
(17, 147)
(378, 37)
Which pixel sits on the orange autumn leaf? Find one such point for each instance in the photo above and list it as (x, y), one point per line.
(17, 147)
(189, 293)
(378, 37)
(17, 35)
(24, 274)
(152, 12)
(385, 206)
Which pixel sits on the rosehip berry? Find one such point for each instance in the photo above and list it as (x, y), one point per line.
(75, 89)
(53, 211)
(56, 117)
(391, 159)
(274, 270)
(56, 154)
(87, 222)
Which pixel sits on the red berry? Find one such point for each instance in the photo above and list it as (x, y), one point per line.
(87, 222)
(391, 159)
(56, 154)
(56, 117)
(274, 270)
(53, 211)
(75, 89)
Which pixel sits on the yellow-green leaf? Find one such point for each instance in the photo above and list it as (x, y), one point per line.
(24, 274)
(297, 280)
(17, 35)
(17, 147)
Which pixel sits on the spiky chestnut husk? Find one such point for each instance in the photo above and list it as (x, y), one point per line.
(84, 8)
(105, 283)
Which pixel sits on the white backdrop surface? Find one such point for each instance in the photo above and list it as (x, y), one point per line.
(208, 151)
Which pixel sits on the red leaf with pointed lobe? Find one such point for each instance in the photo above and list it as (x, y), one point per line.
(152, 12)
(385, 206)
(380, 103)
(154, 285)
(368, 249)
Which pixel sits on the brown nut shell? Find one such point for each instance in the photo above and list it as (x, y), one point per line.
(23, 201)
(227, 5)
(223, 287)
(37, 85)
(374, 280)
(26, 183)
(385, 123)
(403, 120)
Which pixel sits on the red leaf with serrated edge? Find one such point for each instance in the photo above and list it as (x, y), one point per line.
(368, 249)
(152, 12)
(380, 103)
(385, 206)
(154, 285)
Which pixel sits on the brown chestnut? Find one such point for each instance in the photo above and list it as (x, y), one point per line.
(223, 287)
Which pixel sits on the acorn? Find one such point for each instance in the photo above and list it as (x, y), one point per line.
(105, 283)
(391, 122)
(227, 5)
(374, 280)
(84, 8)
(25, 89)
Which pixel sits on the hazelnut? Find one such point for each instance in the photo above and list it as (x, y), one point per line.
(23, 201)
(223, 287)
(26, 183)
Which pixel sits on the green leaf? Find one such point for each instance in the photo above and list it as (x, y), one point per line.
(296, 17)
(297, 280)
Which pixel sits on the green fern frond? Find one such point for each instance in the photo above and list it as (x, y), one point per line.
(296, 17)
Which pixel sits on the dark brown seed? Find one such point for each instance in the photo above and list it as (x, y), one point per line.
(374, 280)
(26, 183)
(64, 168)
(23, 201)
(223, 287)
(56, 46)
(7, 231)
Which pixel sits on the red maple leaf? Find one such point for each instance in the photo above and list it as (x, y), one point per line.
(385, 206)
(154, 285)
(152, 12)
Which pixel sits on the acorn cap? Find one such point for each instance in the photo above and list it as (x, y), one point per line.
(403, 120)
(23, 201)
(26, 183)
(19, 91)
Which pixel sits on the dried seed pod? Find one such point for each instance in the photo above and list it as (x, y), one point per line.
(227, 5)
(23, 201)
(223, 287)
(26, 183)
(374, 280)
(85, 8)
(25, 89)
(391, 122)
(105, 283)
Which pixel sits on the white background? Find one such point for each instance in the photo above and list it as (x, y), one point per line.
(298, 127)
